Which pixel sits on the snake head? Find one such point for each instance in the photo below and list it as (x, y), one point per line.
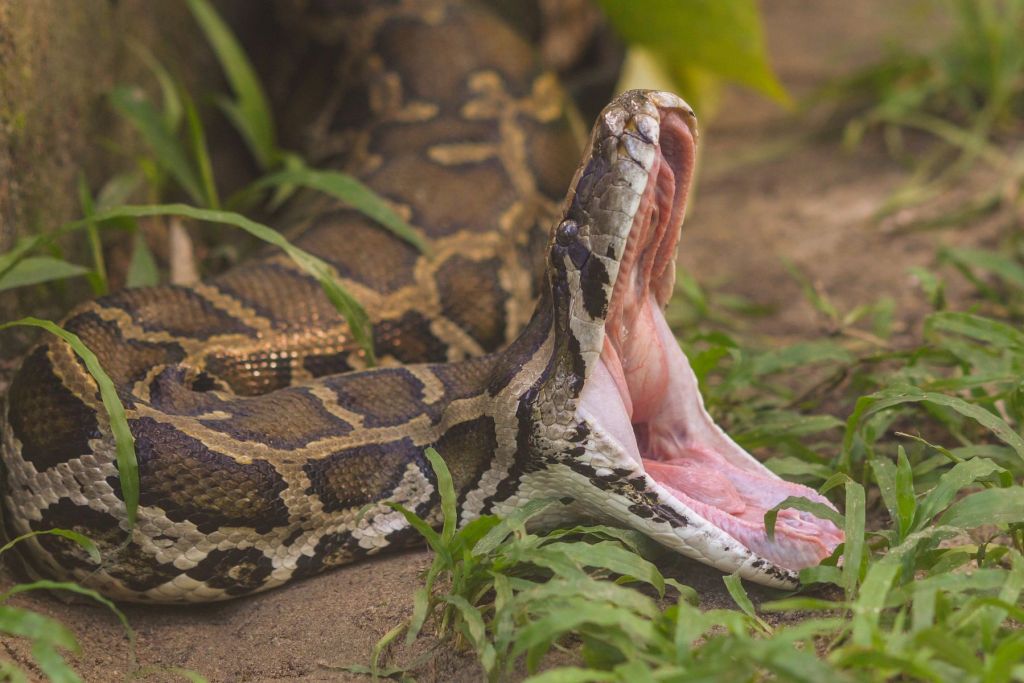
(640, 449)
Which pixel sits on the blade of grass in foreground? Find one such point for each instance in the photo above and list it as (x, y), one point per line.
(127, 464)
(350, 309)
(134, 106)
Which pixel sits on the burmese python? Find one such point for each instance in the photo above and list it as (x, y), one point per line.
(537, 364)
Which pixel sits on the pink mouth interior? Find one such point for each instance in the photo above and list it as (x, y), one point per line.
(646, 397)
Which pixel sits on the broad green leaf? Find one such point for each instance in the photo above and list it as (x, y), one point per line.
(169, 154)
(142, 269)
(350, 190)
(722, 37)
(347, 306)
(991, 506)
(250, 111)
(33, 270)
(127, 464)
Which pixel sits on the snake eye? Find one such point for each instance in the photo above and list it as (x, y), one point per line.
(567, 232)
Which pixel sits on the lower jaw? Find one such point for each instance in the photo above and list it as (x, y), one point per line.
(646, 399)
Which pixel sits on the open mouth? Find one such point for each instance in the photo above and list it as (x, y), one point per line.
(644, 395)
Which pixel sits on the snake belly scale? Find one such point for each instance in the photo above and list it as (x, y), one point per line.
(268, 451)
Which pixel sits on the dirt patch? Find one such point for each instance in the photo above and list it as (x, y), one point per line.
(811, 206)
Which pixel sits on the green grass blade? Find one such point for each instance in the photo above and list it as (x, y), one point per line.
(446, 488)
(33, 270)
(349, 190)
(11, 673)
(475, 629)
(867, 608)
(168, 152)
(432, 538)
(127, 463)
(250, 112)
(16, 621)
(9, 259)
(999, 264)
(734, 584)
(98, 278)
(819, 510)
(52, 664)
(894, 396)
(613, 557)
(200, 152)
(347, 306)
(906, 499)
(513, 522)
(572, 674)
(84, 541)
(853, 554)
(951, 482)
(44, 584)
(1000, 335)
(169, 94)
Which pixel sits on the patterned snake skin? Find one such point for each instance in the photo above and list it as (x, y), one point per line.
(266, 450)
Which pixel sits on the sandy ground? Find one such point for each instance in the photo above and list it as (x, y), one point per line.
(811, 205)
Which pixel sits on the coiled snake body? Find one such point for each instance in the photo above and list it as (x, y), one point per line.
(534, 358)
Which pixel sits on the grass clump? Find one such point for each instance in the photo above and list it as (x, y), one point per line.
(918, 441)
(965, 94)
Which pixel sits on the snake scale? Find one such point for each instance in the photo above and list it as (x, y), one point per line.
(527, 345)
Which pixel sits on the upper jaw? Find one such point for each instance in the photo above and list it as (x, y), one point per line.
(685, 483)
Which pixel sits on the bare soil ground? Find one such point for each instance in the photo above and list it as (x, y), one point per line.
(811, 206)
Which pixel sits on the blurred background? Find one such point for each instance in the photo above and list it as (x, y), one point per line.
(846, 141)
